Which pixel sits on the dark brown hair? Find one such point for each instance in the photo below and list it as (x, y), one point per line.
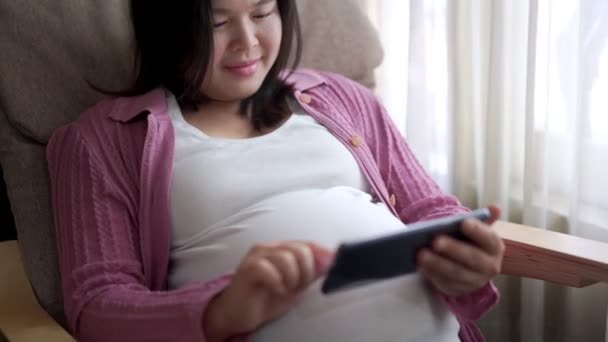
(174, 41)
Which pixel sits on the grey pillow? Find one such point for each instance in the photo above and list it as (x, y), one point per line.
(339, 37)
(48, 51)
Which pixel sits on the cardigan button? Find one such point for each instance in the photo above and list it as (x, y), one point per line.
(356, 140)
(393, 200)
(305, 98)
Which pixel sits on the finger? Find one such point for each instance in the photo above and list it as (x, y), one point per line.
(323, 258)
(261, 249)
(260, 271)
(440, 282)
(285, 262)
(466, 255)
(494, 214)
(485, 237)
(449, 273)
(305, 260)
(454, 289)
(449, 286)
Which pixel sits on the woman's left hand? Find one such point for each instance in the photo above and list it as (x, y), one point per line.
(457, 268)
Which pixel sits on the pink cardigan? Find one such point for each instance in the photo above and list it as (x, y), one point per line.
(110, 177)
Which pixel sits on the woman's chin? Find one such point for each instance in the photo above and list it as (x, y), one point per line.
(239, 94)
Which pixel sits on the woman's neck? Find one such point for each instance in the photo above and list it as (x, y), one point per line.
(220, 109)
(221, 119)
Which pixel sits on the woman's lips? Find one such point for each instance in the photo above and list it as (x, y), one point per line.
(244, 69)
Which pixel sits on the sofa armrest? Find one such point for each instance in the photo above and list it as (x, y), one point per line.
(21, 317)
(552, 256)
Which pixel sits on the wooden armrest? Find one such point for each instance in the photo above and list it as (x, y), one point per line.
(21, 317)
(552, 256)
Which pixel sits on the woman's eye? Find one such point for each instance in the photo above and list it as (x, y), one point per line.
(262, 16)
(219, 24)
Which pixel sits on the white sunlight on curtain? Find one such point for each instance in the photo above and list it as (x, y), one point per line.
(507, 102)
(414, 80)
(571, 107)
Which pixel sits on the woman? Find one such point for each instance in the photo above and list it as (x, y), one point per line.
(205, 204)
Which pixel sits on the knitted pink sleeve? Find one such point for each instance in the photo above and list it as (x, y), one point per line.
(105, 295)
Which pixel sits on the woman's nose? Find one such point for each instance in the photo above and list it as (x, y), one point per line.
(245, 37)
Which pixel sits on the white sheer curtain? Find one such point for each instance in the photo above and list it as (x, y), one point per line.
(507, 101)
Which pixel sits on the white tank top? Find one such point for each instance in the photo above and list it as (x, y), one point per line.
(295, 183)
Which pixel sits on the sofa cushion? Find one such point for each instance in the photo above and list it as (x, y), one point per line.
(51, 48)
(26, 176)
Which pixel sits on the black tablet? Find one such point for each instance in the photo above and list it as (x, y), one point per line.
(393, 255)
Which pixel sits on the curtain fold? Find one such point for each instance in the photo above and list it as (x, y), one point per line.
(507, 102)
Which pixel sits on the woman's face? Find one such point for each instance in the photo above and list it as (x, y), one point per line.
(247, 37)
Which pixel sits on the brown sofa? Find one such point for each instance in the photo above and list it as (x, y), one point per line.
(48, 52)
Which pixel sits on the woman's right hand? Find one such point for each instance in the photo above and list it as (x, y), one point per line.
(267, 283)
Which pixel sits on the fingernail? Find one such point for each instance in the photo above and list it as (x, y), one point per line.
(324, 262)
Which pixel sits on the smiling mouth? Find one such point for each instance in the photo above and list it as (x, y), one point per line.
(243, 64)
(244, 69)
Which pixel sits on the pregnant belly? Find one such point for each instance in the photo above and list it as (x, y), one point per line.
(401, 309)
(327, 217)
(397, 310)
